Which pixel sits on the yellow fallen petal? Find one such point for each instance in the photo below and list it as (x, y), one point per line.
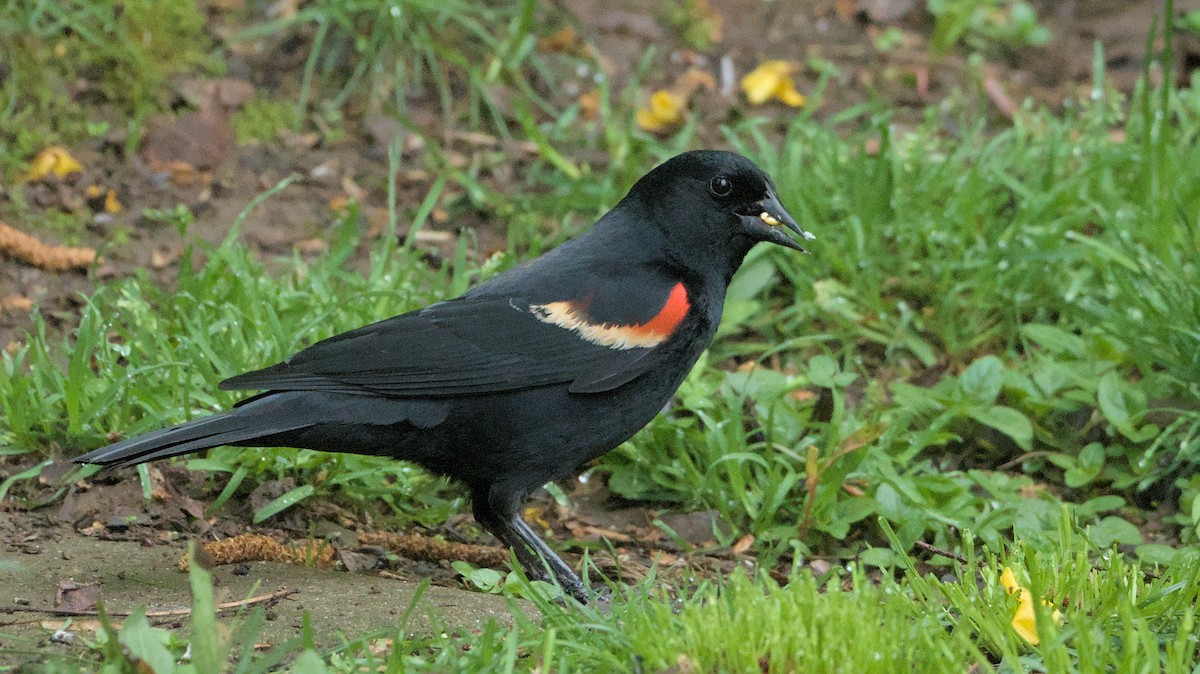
(772, 79)
(111, 203)
(789, 96)
(54, 159)
(664, 112)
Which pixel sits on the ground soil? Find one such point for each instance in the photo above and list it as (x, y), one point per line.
(55, 533)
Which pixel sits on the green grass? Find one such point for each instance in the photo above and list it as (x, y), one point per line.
(1116, 616)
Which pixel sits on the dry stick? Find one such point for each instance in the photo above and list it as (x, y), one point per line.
(167, 613)
(941, 551)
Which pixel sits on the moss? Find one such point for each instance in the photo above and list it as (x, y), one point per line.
(261, 119)
(63, 59)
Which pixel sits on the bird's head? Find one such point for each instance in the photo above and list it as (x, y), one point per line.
(715, 201)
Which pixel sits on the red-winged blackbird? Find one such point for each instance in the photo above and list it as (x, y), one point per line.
(529, 375)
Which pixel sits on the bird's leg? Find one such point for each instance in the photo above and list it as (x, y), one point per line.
(500, 517)
(562, 573)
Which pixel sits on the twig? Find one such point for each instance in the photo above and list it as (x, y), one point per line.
(166, 613)
(941, 551)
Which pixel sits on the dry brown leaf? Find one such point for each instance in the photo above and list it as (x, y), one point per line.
(589, 105)
(845, 9)
(163, 256)
(743, 544)
(71, 596)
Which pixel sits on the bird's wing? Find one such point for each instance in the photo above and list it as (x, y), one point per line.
(596, 341)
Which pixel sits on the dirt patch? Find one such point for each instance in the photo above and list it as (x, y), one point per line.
(129, 575)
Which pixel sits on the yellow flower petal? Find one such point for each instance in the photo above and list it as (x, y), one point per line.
(54, 159)
(1024, 620)
(772, 80)
(1009, 581)
(664, 112)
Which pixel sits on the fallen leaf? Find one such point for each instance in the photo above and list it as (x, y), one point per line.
(563, 41)
(589, 105)
(162, 256)
(693, 80)
(54, 160)
(665, 112)
(71, 596)
(311, 246)
(772, 80)
(845, 9)
(743, 544)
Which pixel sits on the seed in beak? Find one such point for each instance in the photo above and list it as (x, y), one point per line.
(769, 219)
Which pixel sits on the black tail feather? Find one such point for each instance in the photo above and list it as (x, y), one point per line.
(232, 427)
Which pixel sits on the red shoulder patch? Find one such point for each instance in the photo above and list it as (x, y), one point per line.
(573, 316)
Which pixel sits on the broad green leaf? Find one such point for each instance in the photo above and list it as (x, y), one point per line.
(1008, 421)
(1114, 530)
(146, 644)
(1054, 339)
(1112, 401)
(981, 381)
(821, 371)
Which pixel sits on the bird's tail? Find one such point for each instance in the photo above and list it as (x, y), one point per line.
(237, 426)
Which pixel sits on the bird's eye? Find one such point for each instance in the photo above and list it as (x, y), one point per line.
(721, 186)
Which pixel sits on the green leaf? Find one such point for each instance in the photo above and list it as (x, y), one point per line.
(883, 558)
(1156, 553)
(1112, 401)
(1098, 505)
(146, 644)
(821, 371)
(1088, 466)
(308, 663)
(1053, 339)
(1114, 530)
(284, 502)
(1008, 421)
(981, 381)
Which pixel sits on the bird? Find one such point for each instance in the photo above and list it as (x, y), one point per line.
(529, 375)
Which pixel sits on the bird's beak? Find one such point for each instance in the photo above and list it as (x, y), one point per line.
(763, 220)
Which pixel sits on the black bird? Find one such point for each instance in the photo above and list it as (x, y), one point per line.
(529, 375)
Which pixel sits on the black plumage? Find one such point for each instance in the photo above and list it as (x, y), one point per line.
(528, 376)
